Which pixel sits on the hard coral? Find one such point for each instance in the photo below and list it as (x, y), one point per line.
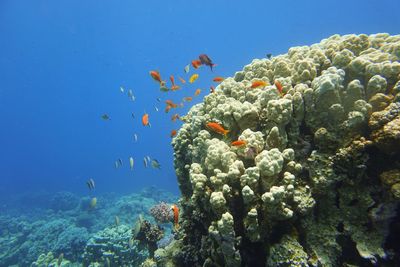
(162, 212)
(307, 180)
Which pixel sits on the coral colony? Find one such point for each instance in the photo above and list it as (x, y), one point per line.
(318, 175)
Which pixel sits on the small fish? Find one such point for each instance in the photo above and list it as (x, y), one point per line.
(173, 133)
(116, 164)
(130, 95)
(218, 79)
(93, 202)
(167, 108)
(116, 220)
(156, 108)
(187, 68)
(120, 162)
(181, 80)
(204, 59)
(216, 127)
(170, 103)
(137, 226)
(196, 63)
(90, 184)
(175, 87)
(130, 242)
(172, 79)
(269, 56)
(174, 117)
(145, 162)
(156, 76)
(105, 117)
(60, 259)
(155, 164)
(193, 78)
(175, 210)
(131, 162)
(133, 115)
(258, 83)
(238, 143)
(187, 99)
(279, 87)
(212, 89)
(145, 119)
(122, 89)
(148, 158)
(135, 136)
(197, 92)
(158, 99)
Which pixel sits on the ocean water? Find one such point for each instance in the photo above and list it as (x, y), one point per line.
(62, 64)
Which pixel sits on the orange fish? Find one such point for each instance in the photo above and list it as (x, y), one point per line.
(175, 210)
(145, 119)
(171, 104)
(196, 63)
(175, 87)
(167, 108)
(212, 89)
(238, 143)
(188, 99)
(197, 92)
(218, 79)
(216, 127)
(173, 133)
(182, 80)
(175, 117)
(156, 75)
(279, 87)
(258, 83)
(172, 79)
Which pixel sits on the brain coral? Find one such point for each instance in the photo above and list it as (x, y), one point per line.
(310, 187)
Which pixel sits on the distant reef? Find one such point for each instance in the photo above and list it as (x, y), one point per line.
(67, 231)
(316, 181)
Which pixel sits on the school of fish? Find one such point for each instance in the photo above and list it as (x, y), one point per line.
(170, 87)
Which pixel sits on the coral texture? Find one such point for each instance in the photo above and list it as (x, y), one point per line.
(315, 184)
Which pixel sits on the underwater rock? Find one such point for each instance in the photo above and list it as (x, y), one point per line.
(305, 190)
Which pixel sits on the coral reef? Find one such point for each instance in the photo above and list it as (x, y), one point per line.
(316, 183)
(148, 235)
(28, 235)
(162, 213)
(111, 247)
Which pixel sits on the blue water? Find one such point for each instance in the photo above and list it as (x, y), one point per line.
(62, 64)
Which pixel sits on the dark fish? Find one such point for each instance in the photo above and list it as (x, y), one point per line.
(120, 162)
(90, 184)
(206, 61)
(269, 56)
(105, 117)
